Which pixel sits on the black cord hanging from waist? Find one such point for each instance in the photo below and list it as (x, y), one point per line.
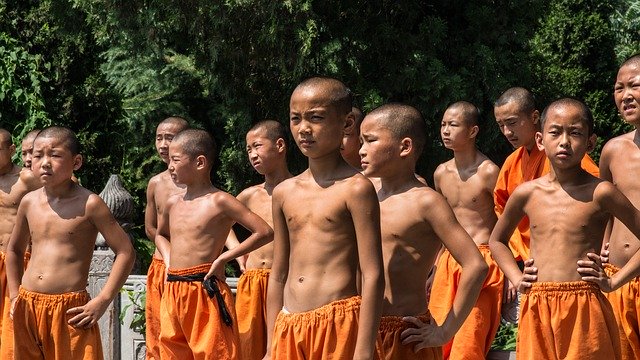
(211, 287)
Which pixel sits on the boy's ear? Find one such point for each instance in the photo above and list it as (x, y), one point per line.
(406, 147)
(280, 145)
(591, 142)
(474, 131)
(201, 162)
(535, 116)
(77, 162)
(349, 124)
(539, 141)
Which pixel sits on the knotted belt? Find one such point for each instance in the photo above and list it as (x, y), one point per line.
(211, 286)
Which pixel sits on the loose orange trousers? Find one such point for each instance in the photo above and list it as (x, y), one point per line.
(6, 329)
(328, 332)
(567, 320)
(391, 327)
(625, 302)
(191, 326)
(251, 307)
(41, 329)
(473, 340)
(155, 286)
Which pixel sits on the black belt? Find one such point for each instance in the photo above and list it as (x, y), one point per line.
(211, 286)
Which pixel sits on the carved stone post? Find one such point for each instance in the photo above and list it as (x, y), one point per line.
(120, 202)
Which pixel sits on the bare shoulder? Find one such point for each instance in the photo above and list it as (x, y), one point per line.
(618, 143)
(29, 179)
(604, 190)
(427, 199)
(246, 194)
(442, 169)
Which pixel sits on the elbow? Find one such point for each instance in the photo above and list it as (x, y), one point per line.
(266, 235)
(481, 269)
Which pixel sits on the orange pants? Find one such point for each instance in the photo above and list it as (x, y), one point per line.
(190, 322)
(41, 330)
(328, 332)
(567, 320)
(626, 307)
(251, 307)
(474, 338)
(6, 327)
(390, 329)
(155, 286)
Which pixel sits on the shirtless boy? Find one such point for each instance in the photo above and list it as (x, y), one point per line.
(53, 316)
(326, 223)
(413, 219)
(620, 164)
(467, 182)
(27, 148)
(159, 189)
(14, 184)
(351, 141)
(197, 313)
(562, 316)
(267, 150)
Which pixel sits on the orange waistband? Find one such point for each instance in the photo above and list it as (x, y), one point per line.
(257, 272)
(568, 286)
(394, 323)
(202, 268)
(325, 311)
(157, 262)
(81, 295)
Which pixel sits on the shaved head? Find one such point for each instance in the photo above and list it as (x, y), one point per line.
(5, 137)
(585, 113)
(66, 135)
(196, 142)
(179, 122)
(404, 121)
(632, 60)
(337, 92)
(470, 113)
(523, 97)
(273, 130)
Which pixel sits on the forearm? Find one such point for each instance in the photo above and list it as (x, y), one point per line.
(15, 269)
(370, 313)
(120, 270)
(163, 245)
(253, 242)
(629, 271)
(504, 257)
(471, 280)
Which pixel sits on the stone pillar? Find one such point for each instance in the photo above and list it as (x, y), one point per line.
(120, 202)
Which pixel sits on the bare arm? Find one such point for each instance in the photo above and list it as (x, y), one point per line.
(365, 212)
(163, 238)
(231, 243)
(261, 233)
(280, 268)
(88, 314)
(150, 214)
(605, 174)
(18, 243)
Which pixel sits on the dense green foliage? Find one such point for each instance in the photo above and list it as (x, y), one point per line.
(112, 69)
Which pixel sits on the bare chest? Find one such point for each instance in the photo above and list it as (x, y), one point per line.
(63, 224)
(320, 210)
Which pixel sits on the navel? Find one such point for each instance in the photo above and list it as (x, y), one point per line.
(301, 279)
(40, 276)
(626, 245)
(474, 199)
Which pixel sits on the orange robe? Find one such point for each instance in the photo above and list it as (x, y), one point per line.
(42, 332)
(473, 340)
(626, 307)
(155, 286)
(519, 167)
(251, 307)
(566, 320)
(391, 327)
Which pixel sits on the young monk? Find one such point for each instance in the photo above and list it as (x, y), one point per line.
(14, 184)
(351, 141)
(159, 189)
(326, 222)
(467, 182)
(267, 150)
(561, 316)
(415, 221)
(197, 313)
(53, 316)
(620, 164)
(26, 150)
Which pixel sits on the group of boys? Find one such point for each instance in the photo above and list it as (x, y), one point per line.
(353, 243)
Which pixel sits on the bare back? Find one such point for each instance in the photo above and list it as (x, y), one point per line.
(258, 200)
(323, 252)
(469, 192)
(63, 237)
(620, 164)
(566, 223)
(13, 187)
(198, 228)
(409, 249)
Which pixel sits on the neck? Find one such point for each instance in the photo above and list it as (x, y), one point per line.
(530, 146)
(7, 168)
(398, 181)
(566, 176)
(326, 167)
(636, 137)
(198, 188)
(466, 157)
(276, 177)
(59, 191)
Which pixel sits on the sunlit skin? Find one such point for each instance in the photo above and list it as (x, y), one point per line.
(620, 161)
(62, 220)
(325, 219)
(267, 158)
(568, 209)
(517, 126)
(195, 225)
(415, 221)
(160, 186)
